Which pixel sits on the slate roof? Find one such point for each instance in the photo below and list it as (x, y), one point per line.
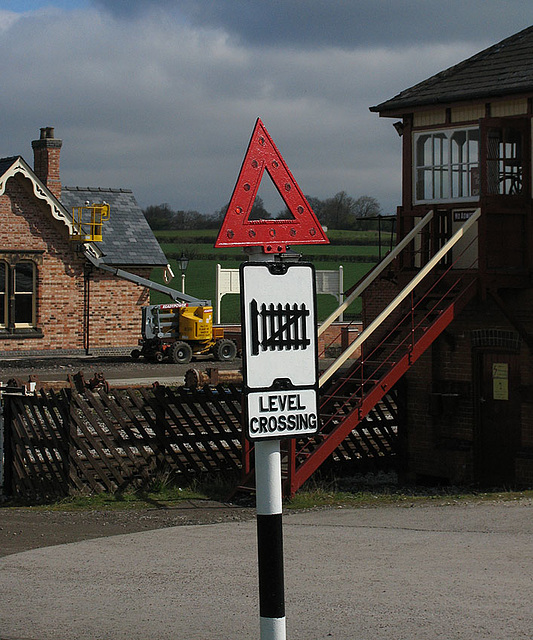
(6, 163)
(503, 69)
(126, 238)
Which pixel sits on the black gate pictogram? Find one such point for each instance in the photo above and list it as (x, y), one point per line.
(278, 327)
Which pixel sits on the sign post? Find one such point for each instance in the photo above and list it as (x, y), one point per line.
(280, 354)
(270, 540)
(280, 364)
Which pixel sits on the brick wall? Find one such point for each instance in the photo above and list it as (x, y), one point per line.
(115, 305)
(337, 337)
(46, 155)
(115, 310)
(440, 422)
(441, 399)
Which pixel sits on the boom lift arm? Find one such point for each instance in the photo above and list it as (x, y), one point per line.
(179, 330)
(144, 282)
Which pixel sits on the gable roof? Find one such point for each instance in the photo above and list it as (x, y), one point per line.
(127, 238)
(14, 165)
(503, 69)
(7, 163)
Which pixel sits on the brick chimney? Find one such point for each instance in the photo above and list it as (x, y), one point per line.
(46, 152)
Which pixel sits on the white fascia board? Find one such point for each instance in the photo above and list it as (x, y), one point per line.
(40, 191)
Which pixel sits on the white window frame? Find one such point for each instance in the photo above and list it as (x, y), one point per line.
(5, 294)
(446, 166)
(32, 293)
(11, 293)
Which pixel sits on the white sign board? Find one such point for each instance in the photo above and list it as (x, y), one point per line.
(278, 414)
(279, 324)
(329, 282)
(280, 358)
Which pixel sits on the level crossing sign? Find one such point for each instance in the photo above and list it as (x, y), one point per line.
(280, 359)
(280, 356)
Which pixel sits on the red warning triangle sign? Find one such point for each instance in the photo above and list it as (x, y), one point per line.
(273, 235)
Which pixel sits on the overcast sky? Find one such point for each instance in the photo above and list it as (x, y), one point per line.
(161, 96)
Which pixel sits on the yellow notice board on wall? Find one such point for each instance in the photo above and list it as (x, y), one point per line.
(500, 381)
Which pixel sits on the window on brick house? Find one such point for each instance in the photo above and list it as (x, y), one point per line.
(446, 165)
(3, 294)
(18, 294)
(24, 290)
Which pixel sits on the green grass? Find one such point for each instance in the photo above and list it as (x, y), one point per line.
(200, 251)
(111, 501)
(163, 490)
(187, 234)
(347, 251)
(197, 251)
(200, 281)
(200, 277)
(322, 497)
(165, 493)
(334, 235)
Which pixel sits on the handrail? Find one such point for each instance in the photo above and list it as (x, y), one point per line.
(399, 298)
(375, 272)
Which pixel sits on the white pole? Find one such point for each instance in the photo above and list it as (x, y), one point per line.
(272, 624)
(219, 297)
(341, 290)
(270, 540)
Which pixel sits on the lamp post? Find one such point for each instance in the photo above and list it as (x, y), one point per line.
(183, 264)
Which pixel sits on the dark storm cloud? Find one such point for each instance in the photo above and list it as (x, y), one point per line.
(161, 96)
(342, 23)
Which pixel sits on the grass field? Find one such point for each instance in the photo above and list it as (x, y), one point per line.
(209, 235)
(200, 278)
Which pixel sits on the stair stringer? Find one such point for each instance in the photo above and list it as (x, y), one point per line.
(369, 400)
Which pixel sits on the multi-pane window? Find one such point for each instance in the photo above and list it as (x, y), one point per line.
(446, 165)
(3, 294)
(17, 294)
(24, 290)
(504, 161)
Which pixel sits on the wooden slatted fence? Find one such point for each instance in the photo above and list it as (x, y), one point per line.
(63, 442)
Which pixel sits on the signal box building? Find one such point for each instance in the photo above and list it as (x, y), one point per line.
(467, 155)
(52, 300)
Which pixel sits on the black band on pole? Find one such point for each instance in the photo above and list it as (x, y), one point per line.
(270, 557)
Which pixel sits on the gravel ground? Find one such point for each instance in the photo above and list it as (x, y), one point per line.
(24, 529)
(57, 369)
(448, 572)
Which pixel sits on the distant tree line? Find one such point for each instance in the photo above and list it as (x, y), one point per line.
(339, 212)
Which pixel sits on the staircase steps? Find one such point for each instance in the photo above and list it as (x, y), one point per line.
(359, 405)
(349, 400)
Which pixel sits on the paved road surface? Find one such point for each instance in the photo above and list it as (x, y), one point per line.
(458, 572)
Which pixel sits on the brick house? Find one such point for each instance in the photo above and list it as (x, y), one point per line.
(466, 146)
(52, 299)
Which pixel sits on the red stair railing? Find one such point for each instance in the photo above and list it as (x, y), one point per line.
(448, 295)
(355, 394)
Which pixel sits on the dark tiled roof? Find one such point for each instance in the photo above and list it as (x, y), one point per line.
(504, 69)
(6, 163)
(126, 238)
